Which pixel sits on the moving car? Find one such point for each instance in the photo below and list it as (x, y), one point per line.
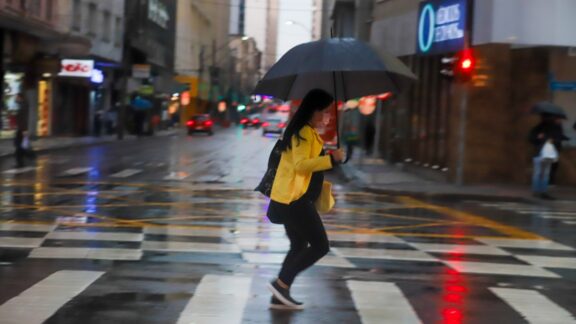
(251, 121)
(200, 123)
(273, 125)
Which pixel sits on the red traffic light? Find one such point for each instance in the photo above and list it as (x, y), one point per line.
(465, 66)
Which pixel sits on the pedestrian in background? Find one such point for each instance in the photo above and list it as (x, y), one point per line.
(350, 135)
(23, 148)
(546, 137)
(298, 184)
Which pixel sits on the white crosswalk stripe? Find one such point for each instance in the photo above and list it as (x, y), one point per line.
(177, 176)
(381, 302)
(76, 171)
(534, 307)
(125, 173)
(217, 299)
(42, 300)
(19, 170)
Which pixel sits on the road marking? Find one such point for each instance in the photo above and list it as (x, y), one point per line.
(20, 242)
(525, 244)
(500, 269)
(569, 222)
(459, 248)
(533, 306)
(169, 246)
(125, 173)
(278, 258)
(37, 303)
(217, 299)
(96, 236)
(177, 176)
(381, 302)
(365, 238)
(85, 253)
(171, 231)
(16, 227)
(386, 254)
(548, 261)
(473, 219)
(20, 170)
(76, 171)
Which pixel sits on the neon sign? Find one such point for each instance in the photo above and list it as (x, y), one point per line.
(441, 26)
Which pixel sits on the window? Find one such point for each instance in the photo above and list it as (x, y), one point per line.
(107, 25)
(118, 32)
(76, 15)
(35, 7)
(92, 19)
(49, 9)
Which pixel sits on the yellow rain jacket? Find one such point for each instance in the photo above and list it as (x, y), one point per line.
(297, 165)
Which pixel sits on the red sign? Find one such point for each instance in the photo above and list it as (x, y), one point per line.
(76, 68)
(329, 131)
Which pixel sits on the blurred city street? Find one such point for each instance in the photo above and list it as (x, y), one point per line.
(168, 230)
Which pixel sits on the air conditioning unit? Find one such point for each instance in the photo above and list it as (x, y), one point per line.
(571, 51)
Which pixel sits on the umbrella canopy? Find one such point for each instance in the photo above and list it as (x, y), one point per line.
(140, 103)
(347, 67)
(548, 108)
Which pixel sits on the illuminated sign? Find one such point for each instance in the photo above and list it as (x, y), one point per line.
(76, 68)
(441, 26)
(97, 76)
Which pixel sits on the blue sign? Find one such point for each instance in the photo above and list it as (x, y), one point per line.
(563, 86)
(441, 26)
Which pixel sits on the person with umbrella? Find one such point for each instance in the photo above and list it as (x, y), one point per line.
(548, 131)
(298, 184)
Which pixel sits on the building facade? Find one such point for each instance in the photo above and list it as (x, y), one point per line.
(27, 28)
(477, 131)
(261, 24)
(203, 52)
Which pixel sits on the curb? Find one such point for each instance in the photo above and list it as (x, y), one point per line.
(77, 145)
(352, 176)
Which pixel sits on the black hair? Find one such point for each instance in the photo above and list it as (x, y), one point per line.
(315, 100)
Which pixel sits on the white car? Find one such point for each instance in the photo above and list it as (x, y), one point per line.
(273, 125)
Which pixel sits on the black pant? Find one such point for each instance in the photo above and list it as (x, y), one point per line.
(20, 154)
(308, 239)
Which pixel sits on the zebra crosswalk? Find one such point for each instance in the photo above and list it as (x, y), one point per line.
(562, 213)
(244, 298)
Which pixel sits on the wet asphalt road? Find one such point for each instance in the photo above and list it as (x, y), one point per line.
(168, 230)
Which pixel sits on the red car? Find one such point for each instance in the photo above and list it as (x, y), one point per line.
(200, 123)
(251, 121)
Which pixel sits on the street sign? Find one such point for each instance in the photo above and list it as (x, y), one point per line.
(141, 71)
(441, 26)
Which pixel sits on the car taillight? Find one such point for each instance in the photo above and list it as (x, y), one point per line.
(244, 121)
(208, 123)
(282, 125)
(190, 123)
(255, 121)
(266, 124)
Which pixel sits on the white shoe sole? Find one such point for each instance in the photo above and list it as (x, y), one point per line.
(283, 300)
(285, 307)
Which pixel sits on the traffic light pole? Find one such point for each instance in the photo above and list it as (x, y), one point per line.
(462, 135)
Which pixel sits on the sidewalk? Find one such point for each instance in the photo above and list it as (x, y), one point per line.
(54, 143)
(376, 175)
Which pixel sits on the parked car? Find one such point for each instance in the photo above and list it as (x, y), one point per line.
(200, 123)
(273, 125)
(251, 121)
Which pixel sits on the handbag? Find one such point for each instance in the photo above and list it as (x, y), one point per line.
(325, 202)
(549, 152)
(265, 185)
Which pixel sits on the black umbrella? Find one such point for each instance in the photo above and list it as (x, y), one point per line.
(548, 108)
(345, 67)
